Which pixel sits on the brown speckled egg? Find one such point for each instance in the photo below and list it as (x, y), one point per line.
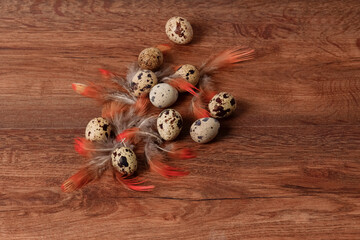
(163, 95)
(98, 129)
(190, 73)
(222, 105)
(179, 30)
(142, 82)
(169, 124)
(150, 58)
(204, 130)
(124, 161)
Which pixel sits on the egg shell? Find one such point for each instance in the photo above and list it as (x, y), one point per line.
(150, 58)
(190, 73)
(98, 129)
(169, 124)
(204, 130)
(142, 82)
(163, 95)
(123, 159)
(179, 30)
(222, 105)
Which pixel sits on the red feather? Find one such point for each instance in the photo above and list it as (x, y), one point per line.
(176, 67)
(105, 73)
(182, 85)
(77, 181)
(86, 90)
(83, 147)
(207, 95)
(111, 108)
(227, 58)
(198, 110)
(133, 183)
(142, 104)
(127, 135)
(165, 170)
(183, 153)
(164, 48)
(198, 107)
(231, 56)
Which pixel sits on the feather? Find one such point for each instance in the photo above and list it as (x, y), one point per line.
(182, 85)
(132, 70)
(83, 147)
(101, 162)
(206, 95)
(176, 151)
(120, 97)
(176, 67)
(127, 135)
(147, 123)
(104, 91)
(105, 73)
(199, 102)
(111, 108)
(78, 180)
(107, 85)
(165, 170)
(132, 183)
(78, 87)
(87, 91)
(198, 109)
(141, 105)
(207, 91)
(92, 171)
(154, 160)
(123, 82)
(125, 120)
(185, 153)
(165, 71)
(164, 48)
(226, 59)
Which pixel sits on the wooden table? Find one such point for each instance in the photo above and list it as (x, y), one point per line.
(285, 166)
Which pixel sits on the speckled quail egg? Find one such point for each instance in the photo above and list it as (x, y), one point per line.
(190, 73)
(169, 124)
(98, 129)
(204, 130)
(222, 105)
(163, 95)
(142, 82)
(150, 58)
(123, 160)
(179, 30)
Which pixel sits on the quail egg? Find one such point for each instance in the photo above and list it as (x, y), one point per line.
(190, 73)
(142, 82)
(150, 58)
(204, 130)
(179, 30)
(163, 95)
(169, 124)
(98, 129)
(123, 160)
(222, 105)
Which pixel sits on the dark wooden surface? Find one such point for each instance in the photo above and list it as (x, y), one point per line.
(285, 166)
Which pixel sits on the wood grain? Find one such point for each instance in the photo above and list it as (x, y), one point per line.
(285, 166)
